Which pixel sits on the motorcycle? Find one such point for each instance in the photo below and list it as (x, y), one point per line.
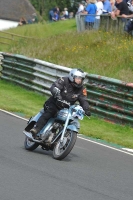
(60, 132)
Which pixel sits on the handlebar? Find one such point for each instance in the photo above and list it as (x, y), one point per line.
(64, 103)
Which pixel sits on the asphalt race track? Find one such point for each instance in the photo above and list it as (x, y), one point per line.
(89, 172)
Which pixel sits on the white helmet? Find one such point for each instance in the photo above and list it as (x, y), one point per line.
(76, 73)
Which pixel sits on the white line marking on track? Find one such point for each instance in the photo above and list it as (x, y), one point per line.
(13, 114)
(127, 149)
(131, 150)
(105, 146)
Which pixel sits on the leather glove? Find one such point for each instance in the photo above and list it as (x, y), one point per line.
(87, 112)
(58, 103)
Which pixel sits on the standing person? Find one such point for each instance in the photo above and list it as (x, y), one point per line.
(86, 4)
(113, 6)
(69, 88)
(99, 6)
(80, 9)
(90, 10)
(129, 24)
(122, 8)
(130, 6)
(106, 7)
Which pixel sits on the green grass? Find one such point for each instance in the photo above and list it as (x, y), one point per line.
(101, 53)
(27, 103)
(19, 99)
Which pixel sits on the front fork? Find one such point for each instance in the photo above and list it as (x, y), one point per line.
(73, 126)
(65, 126)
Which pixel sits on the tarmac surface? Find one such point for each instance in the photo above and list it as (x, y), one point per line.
(89, 172)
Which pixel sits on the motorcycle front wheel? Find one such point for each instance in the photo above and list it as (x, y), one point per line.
(61, 150)
(29, 145)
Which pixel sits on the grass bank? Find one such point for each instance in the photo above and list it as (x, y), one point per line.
(96, 52)
(27, 103)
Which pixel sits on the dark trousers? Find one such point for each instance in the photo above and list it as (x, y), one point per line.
(50, 110)
(89, 25)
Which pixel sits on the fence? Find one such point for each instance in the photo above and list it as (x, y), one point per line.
(106, 23)
(6, 38)
(109, 98)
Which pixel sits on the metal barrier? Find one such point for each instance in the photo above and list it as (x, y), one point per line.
(1, 57)
(109, 98)
(31, 73)
(105, 23)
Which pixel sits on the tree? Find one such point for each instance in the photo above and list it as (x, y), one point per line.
(43, 6)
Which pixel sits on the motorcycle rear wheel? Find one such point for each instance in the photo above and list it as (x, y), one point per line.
(61, 150)
(29, 145)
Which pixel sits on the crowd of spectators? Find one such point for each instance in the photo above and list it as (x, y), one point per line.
(94, 8)
(55, 14)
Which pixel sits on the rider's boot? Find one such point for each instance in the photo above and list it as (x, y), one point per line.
(34, 131)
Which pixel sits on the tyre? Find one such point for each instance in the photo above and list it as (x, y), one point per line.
(61, 150)
(29, 145)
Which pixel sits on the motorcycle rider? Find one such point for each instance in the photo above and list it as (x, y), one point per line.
(70, 89)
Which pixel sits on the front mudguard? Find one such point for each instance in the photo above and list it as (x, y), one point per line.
(73, 128)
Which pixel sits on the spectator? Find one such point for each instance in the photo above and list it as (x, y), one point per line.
(55, 17)
(51, 14)
(126, 1)
(71, 15)
(80, 9)
(106, 7)
(86, 4)
(62, 16)
(91, 10)
(35, 18)
(22, 21)
(57, 10)
(66, 14)
(99, 6)
(129, 24)
(122, 8)
(113, 7)
(130, 6)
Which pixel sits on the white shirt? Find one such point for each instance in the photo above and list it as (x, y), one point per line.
(99, 6)
(80, 9)
(66, 12)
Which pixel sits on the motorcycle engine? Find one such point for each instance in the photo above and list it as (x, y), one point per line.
(50, 138)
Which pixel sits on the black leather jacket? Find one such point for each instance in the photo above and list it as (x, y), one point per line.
(70, 93)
